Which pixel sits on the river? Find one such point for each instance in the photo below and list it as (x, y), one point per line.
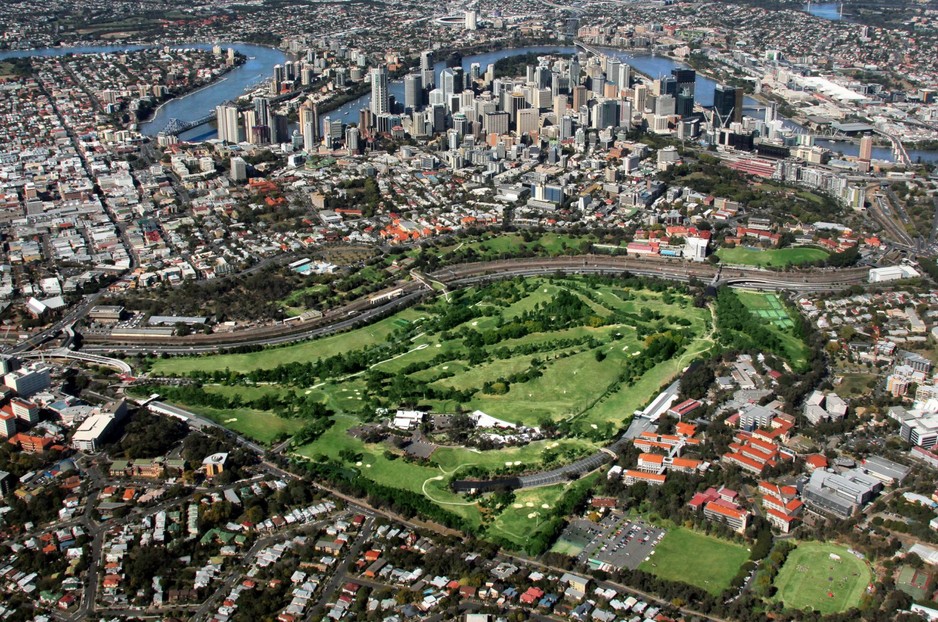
(261, 61)
(824, 10)
(259, 66)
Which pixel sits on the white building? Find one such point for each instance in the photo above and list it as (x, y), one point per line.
(92, 430)
(239, 169)
(28, 380)
(695, 249)
(892, 273)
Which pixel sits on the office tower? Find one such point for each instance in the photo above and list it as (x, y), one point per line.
(866, 148)
(769, 113)
(379, 91)
(426, 69)
(516, 102)
(453, 139)
(724, 104)
(579, 96)
(279, 128)
(366, 119)
(288, 71)
(475, 71)
(560, 107)
(497, 87)
(495, 123)
(262, 110)
(418, 124)
(239, 169)
(624, 77)
(612, 71)
(260, 135)
(439, 118)
(625, 113)
(555, 82)
(542, 76)
(566, 128)
(437, 98)
(466, 100)
(226, 117)
(598, 85)
(472, 20)
(452, 79)
(413, 92)
(461, 123)
(605, 114)
(574, 74)
(248, 120)
(665, 105)
(640, 94)
(527, 121)
(682, 85)
(351, 140)
(309, 125)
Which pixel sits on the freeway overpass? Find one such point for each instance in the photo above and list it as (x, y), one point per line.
(86, 357)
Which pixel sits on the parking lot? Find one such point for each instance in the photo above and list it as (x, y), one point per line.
(616, 541)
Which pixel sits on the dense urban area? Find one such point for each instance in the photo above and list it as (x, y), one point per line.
(346, 310)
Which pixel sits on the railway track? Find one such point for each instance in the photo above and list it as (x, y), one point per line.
(404, 293)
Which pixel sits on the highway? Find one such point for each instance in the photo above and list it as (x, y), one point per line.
(389, 300)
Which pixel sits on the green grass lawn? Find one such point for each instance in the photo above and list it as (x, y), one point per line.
(260, 425)
(771, 309)
(532, 510)
(452, 458)
(811, 579)
(773, 258)
(301, 352)
(396, 473)
(855, 385)
(696, 559)
(571, 381)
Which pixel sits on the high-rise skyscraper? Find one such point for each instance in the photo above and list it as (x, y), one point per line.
(262, 110)
(625, 76)
(527, 120)
(574, 74)
(379, 91)
(579, 96)
(452, 79)
(309, 125)
(724, 103)
(682, 86)
(866, 148)
(612, 70)
(426, 69)
(226, 117)
(472, 20)
(640, 93)
(413, 92)
(351, 140)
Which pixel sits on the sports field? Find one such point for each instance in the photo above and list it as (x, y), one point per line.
(696, 559)
(770, 309)
(772, 258)
(823, 577)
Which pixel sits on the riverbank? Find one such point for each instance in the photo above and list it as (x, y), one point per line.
(222, 77)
